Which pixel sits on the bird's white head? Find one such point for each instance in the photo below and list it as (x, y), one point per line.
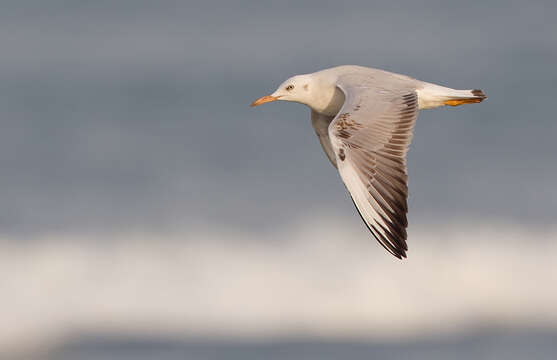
(298, 88)
(317, 90)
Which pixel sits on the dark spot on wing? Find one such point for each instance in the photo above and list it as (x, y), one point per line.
(341, 154)
(345, 126)
(352, 146)
(343, 134)
(343, 116)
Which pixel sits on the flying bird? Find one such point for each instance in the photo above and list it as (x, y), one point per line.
(363, 118)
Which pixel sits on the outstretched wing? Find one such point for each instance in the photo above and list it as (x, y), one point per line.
(370, 138)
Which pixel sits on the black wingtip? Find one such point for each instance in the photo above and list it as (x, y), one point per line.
(400, 255)
(397, 252)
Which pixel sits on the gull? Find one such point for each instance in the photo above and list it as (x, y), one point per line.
(364, 118)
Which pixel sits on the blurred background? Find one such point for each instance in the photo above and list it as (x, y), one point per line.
(148, 213)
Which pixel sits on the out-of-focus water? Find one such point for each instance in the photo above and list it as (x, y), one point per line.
(536, 345)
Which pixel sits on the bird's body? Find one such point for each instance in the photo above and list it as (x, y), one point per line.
(364, 119)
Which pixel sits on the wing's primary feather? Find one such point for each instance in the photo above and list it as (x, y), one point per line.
(370, 137)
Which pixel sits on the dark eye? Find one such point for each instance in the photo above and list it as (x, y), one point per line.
(289, 87)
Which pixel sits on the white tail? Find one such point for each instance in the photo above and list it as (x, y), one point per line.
(431, 96)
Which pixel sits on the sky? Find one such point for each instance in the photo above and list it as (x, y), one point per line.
(126, 124)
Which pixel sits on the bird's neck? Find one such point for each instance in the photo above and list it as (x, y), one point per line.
(327, 100)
